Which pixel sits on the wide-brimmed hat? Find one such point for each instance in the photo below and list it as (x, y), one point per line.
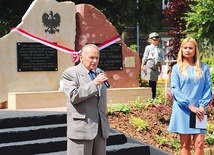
(153, 35)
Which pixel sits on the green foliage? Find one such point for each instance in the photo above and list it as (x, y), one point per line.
(212, 78)
(133, 47)
(176, 143)
(137, 103)
(210, 128)
(200, 21)
(206, 52)
(158, 104)
(160, 97)
(139, 123)
(4, 27)
(149, 14)
(151, 101)
(118, 108)
(209, 138)
(208, 60)
(161, 109)
(162, 140)
(10, 15)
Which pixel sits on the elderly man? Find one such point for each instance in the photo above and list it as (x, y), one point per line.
(88, 126)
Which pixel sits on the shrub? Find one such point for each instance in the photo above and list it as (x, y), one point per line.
(119, 108)
(137, 103)
(139, 123)
(162, 140)
(175, 143)
(209, 138)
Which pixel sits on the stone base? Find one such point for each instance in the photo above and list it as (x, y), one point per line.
(124, 95)
(50, 99)
(34, 100)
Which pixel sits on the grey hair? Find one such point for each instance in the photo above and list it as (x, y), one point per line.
(84, 48)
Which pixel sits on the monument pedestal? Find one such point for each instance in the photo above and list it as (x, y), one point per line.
(50, 99)
(124, 95)
(35, 100)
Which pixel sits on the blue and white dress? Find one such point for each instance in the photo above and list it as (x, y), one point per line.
(188, 91)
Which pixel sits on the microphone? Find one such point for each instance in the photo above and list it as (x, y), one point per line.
(98, 71)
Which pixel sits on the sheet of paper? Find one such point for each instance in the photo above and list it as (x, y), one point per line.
(201, 124)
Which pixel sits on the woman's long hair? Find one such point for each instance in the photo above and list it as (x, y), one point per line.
(182, 67)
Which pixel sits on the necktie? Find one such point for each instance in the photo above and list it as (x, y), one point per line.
(154, 49)
(92, 75)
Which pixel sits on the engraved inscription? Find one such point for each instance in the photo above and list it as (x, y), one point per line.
(36, 57)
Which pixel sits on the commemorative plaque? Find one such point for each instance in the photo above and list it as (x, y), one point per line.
(36, 57)
(111, 57)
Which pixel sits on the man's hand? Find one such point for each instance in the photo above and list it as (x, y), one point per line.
(100, 78)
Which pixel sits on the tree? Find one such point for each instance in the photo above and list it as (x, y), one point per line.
(11, 13)
(200, 20)
(174, 17)
(124, 13)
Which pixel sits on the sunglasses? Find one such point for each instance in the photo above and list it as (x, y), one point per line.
(155, 39)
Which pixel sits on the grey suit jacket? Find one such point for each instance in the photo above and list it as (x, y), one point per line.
(84, 106)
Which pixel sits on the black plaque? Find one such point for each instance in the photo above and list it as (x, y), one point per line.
(111, 57)
(36, 57)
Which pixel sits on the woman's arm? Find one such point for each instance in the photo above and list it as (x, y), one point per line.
(179, 96)
(207, 90)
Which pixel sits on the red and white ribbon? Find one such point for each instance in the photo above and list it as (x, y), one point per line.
(75, 54)
(109, 42)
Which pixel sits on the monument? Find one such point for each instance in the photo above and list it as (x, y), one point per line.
(27, 69)
(47, 41)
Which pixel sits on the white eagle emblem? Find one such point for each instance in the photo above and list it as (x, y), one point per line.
(51, 22)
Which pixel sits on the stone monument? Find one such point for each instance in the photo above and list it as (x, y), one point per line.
(16, 77)
(42, 46)
(92, 26)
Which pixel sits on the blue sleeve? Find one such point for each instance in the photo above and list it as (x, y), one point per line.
(207, 90)
(179, 97)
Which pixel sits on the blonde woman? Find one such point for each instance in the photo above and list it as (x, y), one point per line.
(192, 92)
